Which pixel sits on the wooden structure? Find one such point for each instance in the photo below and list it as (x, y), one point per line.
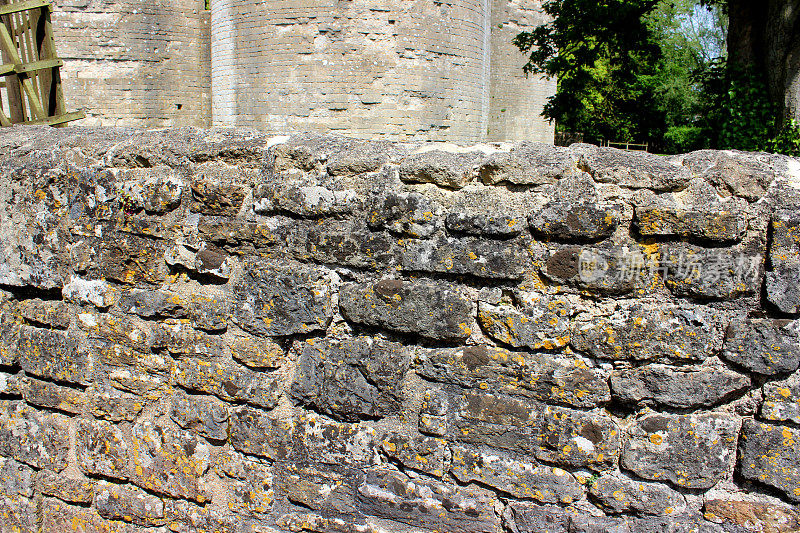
(31, 91)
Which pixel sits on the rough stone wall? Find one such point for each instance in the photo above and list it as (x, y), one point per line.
(134, 63)
(219, 331)
(516, 98)
(399, 69)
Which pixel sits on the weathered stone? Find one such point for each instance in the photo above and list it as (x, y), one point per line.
(643, 331)
(710, 273)
(405, 213)
(256, 433)
(343, 242)
(782, 400)
(430, 309)
(541, 323)
(575, 438)
(162, 191)
(515, 477)
(102, 449)
(11, 384)
(696, 212)
(358, 378)
(425, 454)
(567, 221)
(768, 454)
(635, 171)
(484, 225)
(152, 304)
(493, 420)
(177, 336)
(784, 256)
(747, 175)
(753, 516)
(52, 396)
(235, 236)
(169, 462)
(45, 313)
(261, 353)
(181, 255)
(361, 158)
(692, 451)
(539, 376)
(64, 488)
(16, 479)
(444, 169)
(217, 197)
(187, 517)
(764, 346)
(213, 262)
(94, 292)
(681, 387)
(469, 256)
(203, 415)
(115, 406)
(308, 199)
(324, 490)
(318, 440)
(128, 504)
(228, 381)
(53, 355)
(60, 516)
(528, 163)
(617, 493)
(433, 413)
(209, 312)
(427, 504)
(132, 259)
(118, 329)
(36, 439)
(606, 269)
(282, 300)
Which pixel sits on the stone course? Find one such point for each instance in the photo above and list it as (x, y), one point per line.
(225, 331)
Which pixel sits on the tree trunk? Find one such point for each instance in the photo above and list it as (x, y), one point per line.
(765, 36)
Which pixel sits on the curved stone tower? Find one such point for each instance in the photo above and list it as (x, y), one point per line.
(420, 69)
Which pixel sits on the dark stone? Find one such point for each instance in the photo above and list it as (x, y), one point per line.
(568, 221)
(52, 396)
(679, 387)
(45, 313)
(203, 415)
(132, 259)
(710, 273)
(782, 400)
(328, 490)
(65, 488)
(540, 376)
(753, 516)
(129, 505)
(162, 190)
(178, 337)
(358, 378)
(152, 304)
(528, 163)
(540, 322)
(575, 438)
(254, 432)
(102, 449)
(631, 170)
(209, 312)
(433, 413)
(318, 440)
(764, 346)
(494, 420)
(606, 269)
(308, 199)
(430, 309)
(783, 289)
(768, 454)
(212, 197)
(694, 451)
(404, 213)
(53, 355)
(274, 300)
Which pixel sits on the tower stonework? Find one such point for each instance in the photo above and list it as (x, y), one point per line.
(409, 70)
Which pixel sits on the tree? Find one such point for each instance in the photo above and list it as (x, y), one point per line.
(623, 72)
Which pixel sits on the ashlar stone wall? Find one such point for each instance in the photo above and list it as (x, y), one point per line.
(222, 331)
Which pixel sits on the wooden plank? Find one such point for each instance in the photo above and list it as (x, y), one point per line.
(16, 7)
(58, 119)
(16, 105)
(7, 43)
(28, 67)
(54, 99)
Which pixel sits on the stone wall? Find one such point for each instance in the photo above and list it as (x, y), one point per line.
(222, 331)
(134, 63)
